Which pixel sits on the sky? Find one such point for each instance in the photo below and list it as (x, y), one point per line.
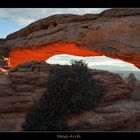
(13, 19)
(96, 62)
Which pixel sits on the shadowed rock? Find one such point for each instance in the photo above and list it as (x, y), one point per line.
(23, 86)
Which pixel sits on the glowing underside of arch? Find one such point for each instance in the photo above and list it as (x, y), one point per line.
(18, 56)
(42, 53)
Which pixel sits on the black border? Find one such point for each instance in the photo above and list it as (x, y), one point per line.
(67, 135)
(69, 3)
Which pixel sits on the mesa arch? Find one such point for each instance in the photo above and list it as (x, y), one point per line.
(114, 33)
(42, 53)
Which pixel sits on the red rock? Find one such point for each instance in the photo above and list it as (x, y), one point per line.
(27, 85)
(118, 116)
(114, 33)
(19, 56)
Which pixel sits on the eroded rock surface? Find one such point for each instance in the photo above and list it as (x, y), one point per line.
(118, 116)
(23, 85)
(114, 33)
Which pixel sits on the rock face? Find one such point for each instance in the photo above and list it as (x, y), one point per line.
(119, 116)
(131, 79)
(20, 88)
(114, 33)
(23, 85)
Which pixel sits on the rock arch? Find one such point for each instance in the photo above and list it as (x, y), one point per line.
(114, 33)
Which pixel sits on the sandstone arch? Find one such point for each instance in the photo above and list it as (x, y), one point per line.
(114, 33)
(42, 53)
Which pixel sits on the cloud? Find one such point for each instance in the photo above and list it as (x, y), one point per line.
(97, 62)
(25, 16)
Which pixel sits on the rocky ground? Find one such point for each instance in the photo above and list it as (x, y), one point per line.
(114, 33)
(23, 85)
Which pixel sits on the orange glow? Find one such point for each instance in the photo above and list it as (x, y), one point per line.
(137, 65)
(42, 53)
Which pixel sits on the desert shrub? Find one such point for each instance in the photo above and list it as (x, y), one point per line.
(70, 90)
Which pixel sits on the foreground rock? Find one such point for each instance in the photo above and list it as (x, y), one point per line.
(118, 116)
(114, 33)
(23, 85)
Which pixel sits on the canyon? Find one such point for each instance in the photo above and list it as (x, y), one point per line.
(23, 72)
